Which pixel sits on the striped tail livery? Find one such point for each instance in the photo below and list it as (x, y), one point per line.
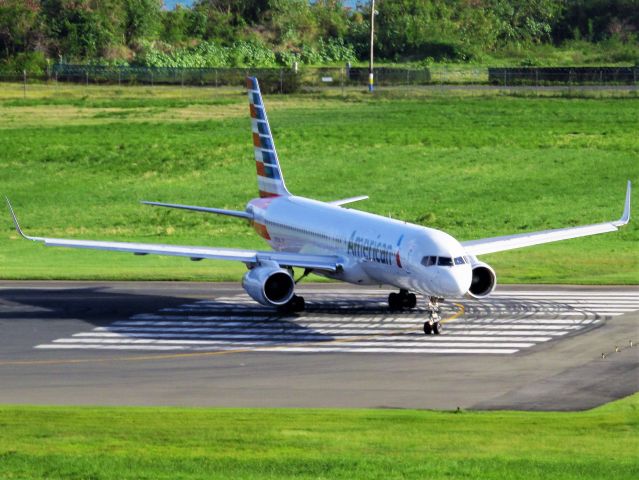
(269, 175)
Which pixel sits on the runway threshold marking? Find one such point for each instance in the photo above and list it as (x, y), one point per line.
(139, 358)
(505, 323)
(384, 334)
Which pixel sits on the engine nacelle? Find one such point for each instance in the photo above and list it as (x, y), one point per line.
(269, 285)
(484, 280)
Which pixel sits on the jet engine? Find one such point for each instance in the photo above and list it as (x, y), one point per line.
(484, 280)
(269, 285)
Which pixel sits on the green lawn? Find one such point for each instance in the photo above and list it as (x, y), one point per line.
(76, 160)
(167, 443)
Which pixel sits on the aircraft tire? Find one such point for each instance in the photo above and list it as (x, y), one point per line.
(411, 301)
(300, 304)
(295, 304)
(437, 328)
(394, 301)
(428, 328)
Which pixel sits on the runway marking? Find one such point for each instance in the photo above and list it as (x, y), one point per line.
(506, 323)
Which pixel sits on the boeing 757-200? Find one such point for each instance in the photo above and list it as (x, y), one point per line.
(342, 243)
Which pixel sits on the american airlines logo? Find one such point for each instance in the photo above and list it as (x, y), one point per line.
(368, 249)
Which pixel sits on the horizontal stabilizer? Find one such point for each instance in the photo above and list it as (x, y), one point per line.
(344, 201)
(219, 211)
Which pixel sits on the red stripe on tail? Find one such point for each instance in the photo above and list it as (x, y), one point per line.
(264, 194)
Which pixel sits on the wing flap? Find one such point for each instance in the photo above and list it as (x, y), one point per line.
(156, 249)
(318, 262)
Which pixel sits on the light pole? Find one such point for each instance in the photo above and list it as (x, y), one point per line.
(371, 78)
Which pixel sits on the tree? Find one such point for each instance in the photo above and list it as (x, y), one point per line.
(596, 20)
(527, 21)
(175, 25)
(241, 11)
(20, 28)
(142, 19)
(81, 29)
(292, 22)
(332, 18)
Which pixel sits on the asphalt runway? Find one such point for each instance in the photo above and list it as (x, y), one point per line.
(198, 344)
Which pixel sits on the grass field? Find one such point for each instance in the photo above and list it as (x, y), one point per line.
(164, 443)
(75, 161)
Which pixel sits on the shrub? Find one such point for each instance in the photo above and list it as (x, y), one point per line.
(32, 62)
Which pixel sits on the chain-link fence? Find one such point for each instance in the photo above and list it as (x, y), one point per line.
(563, 76)
(272, 79)
(286, 80)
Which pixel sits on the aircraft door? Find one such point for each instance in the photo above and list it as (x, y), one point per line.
(409, 261)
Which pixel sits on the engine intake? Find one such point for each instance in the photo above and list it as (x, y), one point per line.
(484, 280)
(271, 286)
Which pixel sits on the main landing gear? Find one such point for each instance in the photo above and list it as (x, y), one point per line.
(295, 304)
(401, 300)
(433, 324)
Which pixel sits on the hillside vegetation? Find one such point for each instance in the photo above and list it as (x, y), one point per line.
(75, 161)
(232, 33)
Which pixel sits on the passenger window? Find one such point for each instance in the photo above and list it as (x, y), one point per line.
(429, 261)
(445, 261)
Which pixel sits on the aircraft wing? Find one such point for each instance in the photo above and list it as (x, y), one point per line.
(510, 242)
(330, 263)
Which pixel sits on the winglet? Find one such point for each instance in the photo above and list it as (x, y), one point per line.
(625, 217)
(15, 221)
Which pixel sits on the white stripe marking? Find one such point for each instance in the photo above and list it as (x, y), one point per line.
(397, 344)
(275, 323)
(290, 349)
(391, 350)
(319, 337)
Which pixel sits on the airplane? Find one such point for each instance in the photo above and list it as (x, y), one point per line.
(340, 243)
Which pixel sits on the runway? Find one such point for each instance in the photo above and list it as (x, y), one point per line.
(536, 347)
(335, 322)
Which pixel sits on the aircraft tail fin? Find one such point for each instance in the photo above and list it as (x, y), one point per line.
(269, 175)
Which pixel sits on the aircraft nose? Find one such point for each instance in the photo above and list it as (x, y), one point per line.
(455, 282)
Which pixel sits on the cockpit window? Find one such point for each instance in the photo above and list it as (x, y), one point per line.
(445, 261)
(460, 260)
(429, 261)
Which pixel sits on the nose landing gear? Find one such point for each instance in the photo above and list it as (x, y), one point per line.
(433, 324)
(405, 300)
(401, 300)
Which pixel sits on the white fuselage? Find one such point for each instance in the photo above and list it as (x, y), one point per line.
(373, 249)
